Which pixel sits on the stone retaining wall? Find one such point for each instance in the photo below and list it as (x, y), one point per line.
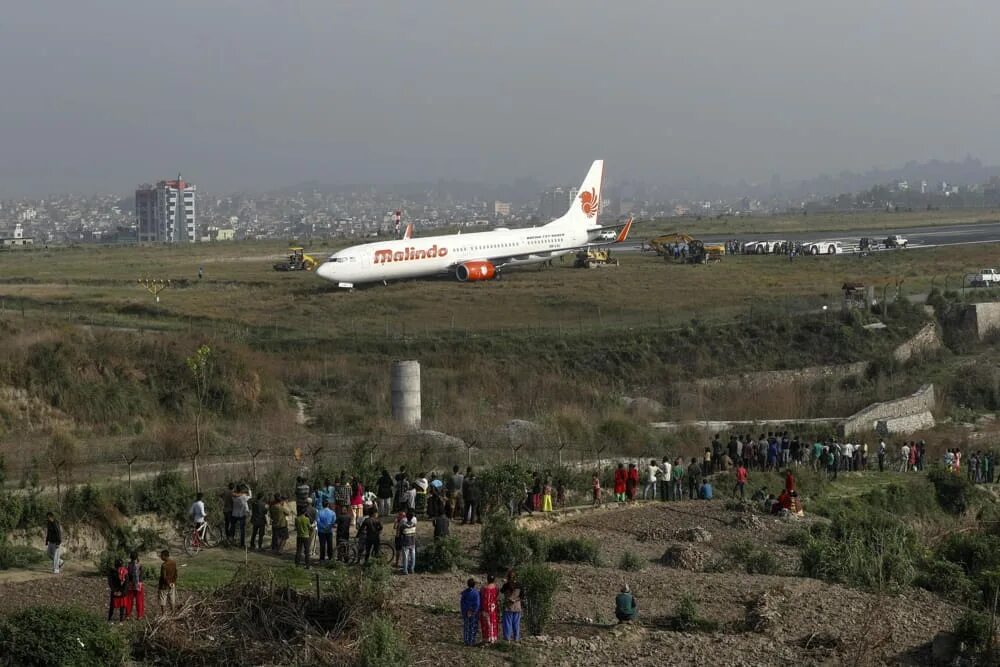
(983, 318)
(867, 420)
(925, 340)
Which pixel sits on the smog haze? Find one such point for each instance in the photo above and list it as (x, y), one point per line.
(252, 94)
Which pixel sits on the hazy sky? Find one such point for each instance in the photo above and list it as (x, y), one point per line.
(105, 94)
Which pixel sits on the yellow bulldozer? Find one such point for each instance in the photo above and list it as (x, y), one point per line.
(297, 260)
(593, 258)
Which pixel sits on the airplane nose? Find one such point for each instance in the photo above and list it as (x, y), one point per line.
(326, 271)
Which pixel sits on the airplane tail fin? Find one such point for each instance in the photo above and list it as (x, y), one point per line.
(623, 234)
(408, 232)
(584, 208)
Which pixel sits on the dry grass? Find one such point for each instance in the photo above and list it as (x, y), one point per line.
(247, 300)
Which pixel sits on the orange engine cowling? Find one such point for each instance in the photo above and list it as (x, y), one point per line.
(473, 271)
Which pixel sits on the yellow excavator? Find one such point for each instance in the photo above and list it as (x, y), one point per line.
(696, 252)
(662, 245)
(297, 260)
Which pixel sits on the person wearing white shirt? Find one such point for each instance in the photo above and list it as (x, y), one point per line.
(198, 513)
(848, 456)
(652, 472)
(664, 478)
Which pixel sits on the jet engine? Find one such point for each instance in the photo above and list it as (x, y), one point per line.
(473, 271)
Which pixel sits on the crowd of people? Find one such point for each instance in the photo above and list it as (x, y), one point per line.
(331, 513)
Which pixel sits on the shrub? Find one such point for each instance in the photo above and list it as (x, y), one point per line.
(574, 550)
(166, 494)
(947, 579)
(503, 484)
(976, 632)
(59, 636)
(874, 550)
(630, 561)
(503, 545)
(10, 513)
(442, 555)
(754, 559)
(381, 644)
(15, 556)
(539, 584)
(953, 491)
(686, 618)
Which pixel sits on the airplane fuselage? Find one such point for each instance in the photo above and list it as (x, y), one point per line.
(434, 255)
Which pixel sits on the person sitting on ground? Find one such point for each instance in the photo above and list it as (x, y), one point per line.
(626, 608)
(705, 490)
(768, 503)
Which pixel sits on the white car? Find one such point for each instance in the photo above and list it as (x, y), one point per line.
(609, 235)
(822, 248)
(896, 241)
(984, 278)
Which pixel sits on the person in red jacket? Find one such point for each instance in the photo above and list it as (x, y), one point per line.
(621, 477)
(741, 480)
(632, 485)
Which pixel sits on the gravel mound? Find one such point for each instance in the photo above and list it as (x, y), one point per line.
(685, 557)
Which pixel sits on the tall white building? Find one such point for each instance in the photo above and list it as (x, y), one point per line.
(166, 213)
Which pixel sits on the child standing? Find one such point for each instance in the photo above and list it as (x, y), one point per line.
(547, 496)
(595, 484)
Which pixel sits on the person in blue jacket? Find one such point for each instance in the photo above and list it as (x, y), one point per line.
(470, 612)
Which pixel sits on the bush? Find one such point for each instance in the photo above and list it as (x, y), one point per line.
(686, 618)
(539, 584)
(976, 632)
(503, 545)
(381, 644)
(948, 580)
(14, 556)
(10, 513)
(59, 636)
(754, 559)
(953, 491)
(442, 555)
(874, 550)
(574, 550)
(630, 561)
(503, 484)
(166, 494)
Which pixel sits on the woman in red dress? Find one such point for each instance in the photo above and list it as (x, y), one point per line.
(488, 620)
(789, 481)
(621, 477)
(633, 481)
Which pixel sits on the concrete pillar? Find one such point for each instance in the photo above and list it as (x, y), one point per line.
(405, 382)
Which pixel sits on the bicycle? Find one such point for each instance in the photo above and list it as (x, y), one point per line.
(351, 551)
(200, 537)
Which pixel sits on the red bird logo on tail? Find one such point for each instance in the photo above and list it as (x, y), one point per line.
(589, 202)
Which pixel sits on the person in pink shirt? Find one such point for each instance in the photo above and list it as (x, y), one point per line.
(357, 500)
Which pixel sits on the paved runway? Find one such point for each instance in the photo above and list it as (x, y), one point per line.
(980, 232)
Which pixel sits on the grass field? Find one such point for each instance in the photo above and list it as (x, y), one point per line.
(241, 295)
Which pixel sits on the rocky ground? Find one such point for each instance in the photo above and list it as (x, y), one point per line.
(762, 619)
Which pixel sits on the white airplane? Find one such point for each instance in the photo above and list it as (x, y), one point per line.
(480, 255)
